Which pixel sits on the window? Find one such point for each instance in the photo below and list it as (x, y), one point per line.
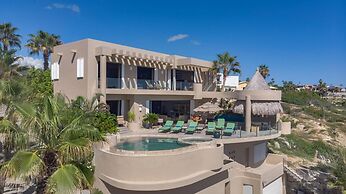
(80, 68)
(247, 189)
(54, 71)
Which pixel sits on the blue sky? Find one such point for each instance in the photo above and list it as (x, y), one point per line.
(299, 40)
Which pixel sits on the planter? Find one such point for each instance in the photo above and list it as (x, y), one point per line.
(133, 126)
(217, 134)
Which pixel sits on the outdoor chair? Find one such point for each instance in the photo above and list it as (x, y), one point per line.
(191, 128)
(166, 127)
(211, 128)
(229, 130)
(121, 120)
(178, 127)
(220, 124)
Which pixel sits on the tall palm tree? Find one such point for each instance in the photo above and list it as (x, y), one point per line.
(9, 64)
(8, 37)
(59, 158)
(226, 64)
(264, 70)
(43, 42)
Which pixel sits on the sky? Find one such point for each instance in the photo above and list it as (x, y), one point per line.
(300, 40)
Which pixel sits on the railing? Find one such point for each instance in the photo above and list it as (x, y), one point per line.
(113, 82)
(184, 85)
(151, 84)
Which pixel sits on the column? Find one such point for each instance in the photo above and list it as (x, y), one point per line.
(247, 113)
(103, 78)
(169, 80)
(174, 80)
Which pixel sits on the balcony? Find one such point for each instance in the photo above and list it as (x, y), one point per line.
(151, 84)
(113, 82)
(184, 85)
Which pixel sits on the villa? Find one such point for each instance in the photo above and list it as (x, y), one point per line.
(172, 86)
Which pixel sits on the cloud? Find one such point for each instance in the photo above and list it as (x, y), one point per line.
(195, 42)
(31, 62)
(73, 7)
(177, 37)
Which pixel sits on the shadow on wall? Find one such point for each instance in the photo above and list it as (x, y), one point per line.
(193, 188)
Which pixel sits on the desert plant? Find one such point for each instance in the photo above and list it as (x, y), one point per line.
(131, 116)
(151, 119)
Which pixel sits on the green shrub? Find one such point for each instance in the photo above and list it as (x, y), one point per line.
(150, 118)
(131, 116)
(105, 122)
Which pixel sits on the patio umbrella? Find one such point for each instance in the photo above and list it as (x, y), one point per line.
(208, 107)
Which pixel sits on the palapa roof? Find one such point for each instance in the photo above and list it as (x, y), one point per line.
(262, 108)
(259, 108)
(257, 82)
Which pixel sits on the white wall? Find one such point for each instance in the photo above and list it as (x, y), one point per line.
(274, 187)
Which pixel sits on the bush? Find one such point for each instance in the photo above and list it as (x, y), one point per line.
(105, 122)
(131, 116)
(150, 118)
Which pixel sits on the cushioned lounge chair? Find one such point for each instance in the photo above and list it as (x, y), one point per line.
(191, 128)
(220, 124)
(211, 128)
(177, 128)
(167, 127)
(229, 130)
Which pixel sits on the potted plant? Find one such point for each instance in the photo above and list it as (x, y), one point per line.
(150, 119)
(132, 125)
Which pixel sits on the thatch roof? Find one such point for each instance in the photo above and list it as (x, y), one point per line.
(257, 82)
(208, 107)
(259, 108)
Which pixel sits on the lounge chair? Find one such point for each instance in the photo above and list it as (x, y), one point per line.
(229, 129)
(178, 127)
(200, 127)
(166, 127)
(211, 128)
(120, 120)
(220, 124)
(191, 128)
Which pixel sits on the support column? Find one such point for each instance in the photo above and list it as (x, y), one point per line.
(174, 80)
(103, 78)
(247, 113)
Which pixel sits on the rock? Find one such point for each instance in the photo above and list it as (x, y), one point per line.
(276, 145)
(287, 144)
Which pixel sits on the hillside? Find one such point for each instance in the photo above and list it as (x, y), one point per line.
(316, 149)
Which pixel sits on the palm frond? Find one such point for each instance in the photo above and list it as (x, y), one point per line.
(66, 179)
(75, 150)
(23, 165)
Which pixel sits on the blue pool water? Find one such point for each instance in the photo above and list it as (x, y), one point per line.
(150, 144)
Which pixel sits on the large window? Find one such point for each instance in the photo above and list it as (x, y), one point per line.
(184, 80)
(145, 78)
(114, 106)
(113, 75)
(174, 109)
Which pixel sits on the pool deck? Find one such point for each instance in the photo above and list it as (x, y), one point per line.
(237, 137)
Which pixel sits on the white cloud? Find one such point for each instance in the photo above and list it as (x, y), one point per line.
(31, 62)
(177, 37)
(73, 7)
(195, 42)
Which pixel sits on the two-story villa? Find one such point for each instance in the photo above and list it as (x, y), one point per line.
(143, 81)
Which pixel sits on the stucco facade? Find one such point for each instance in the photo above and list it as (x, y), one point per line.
(223, 166)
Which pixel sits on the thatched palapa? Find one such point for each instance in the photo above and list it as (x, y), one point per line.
(259, 108)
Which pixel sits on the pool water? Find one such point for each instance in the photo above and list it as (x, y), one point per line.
(150, 144)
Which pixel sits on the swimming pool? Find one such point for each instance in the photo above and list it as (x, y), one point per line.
(150, 144)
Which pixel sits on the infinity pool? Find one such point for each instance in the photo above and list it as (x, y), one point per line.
(150, 144)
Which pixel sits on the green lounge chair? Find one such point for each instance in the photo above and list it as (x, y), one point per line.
(191, 128)
(211, 128)
(229, 129)
(177, 128)
(166, 127)
(220, 124)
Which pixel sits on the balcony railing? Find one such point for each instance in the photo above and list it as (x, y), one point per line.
(113, 82)
(183, 85)
(151, 84)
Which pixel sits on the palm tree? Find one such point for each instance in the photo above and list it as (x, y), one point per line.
(9, 64)
(264, 70)
(226, 64)
(322, 87)
(59, 158)
(43, 42)
(8, 37)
